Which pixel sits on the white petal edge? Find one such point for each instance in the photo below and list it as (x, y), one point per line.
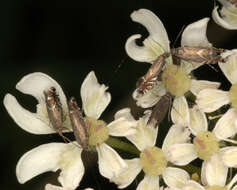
(149, 183)
(122, 127)
(229, 156)
(181, 154)
(124, 113)
(229, 68)
(110, 163)
(175, 177)
(232, 182)
(175, 135)
(225, 126)
(193, 185)
(198, 85)
(54, 187)
(214, 172)
(51, 157)
(154, 26)
(94, 96)
(28, 121)
(209, 100)
(195, 34)
(126, 178)
(180, 112)
(220, 21)
(198, 120)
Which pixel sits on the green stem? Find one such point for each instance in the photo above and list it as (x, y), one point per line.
(121, 145)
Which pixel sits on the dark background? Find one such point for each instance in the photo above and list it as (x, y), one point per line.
(66, 40)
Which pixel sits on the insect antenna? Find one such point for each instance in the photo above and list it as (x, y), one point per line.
(179, 34)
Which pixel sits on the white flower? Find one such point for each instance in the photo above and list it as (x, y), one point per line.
(37, 123)
(227, 18)
(67, 157)
(54, 187)
(206, 144)
(157, 43)
(153, 160)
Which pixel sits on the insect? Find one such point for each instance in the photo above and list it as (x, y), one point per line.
(78, 124)
(160, 110)
(207, 55)
(54, 109)
(146, 82)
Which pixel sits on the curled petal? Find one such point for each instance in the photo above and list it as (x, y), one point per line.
(180, 111)
(209, 100)
(122, 127)
(149, 183)
(198, 85)
(51, 157)
(127, 177)
(193, 185)
(229, 156)
(226, 127)
(110, 163)
(151, 97)
(175, 177)
(214, 172)
(94, 96)
(181, 154)
(124, 113)
(228, 19)
(175, 135)
(145, 136)
(229, 68)
(28, 121)
(195, 34)
(198, 120)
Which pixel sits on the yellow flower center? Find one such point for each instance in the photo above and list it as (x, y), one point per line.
(233, 95)
(97, 130)
(176, 80)
(206, 144)
(216, 187)
(153, 161)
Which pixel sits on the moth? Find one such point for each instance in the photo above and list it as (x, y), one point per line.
(205, 55)
(160, 110)
(147, 81)
(54, 109)
(78, 124)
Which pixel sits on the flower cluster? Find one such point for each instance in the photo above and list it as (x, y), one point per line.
(168, 87)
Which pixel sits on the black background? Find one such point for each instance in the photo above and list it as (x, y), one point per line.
(68, 39)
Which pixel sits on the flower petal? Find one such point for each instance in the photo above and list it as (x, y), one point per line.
(226, 127)
(155, 44)
(209, 100)
(195, 34)
(93, 95)
(232, 182)
(54, 187)
(51, 157)
(124, 113)
(180, 111)
(229, 156)
(175, 177)
(189, 65)
(28, 121)
(198, 85)
(181, 154)
(122, 127)
(151, 97)
(110, 163)
(214, 172)
(126, 178)
(193, 185)
(145, 136)
(198, 120)
(149, 183)
(175, 135)
(229, 68)
(229, 24)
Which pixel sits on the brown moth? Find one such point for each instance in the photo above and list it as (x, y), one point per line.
(146, 82)
(206, 55)
(78, 124)
(54, 109)
(160, 110)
